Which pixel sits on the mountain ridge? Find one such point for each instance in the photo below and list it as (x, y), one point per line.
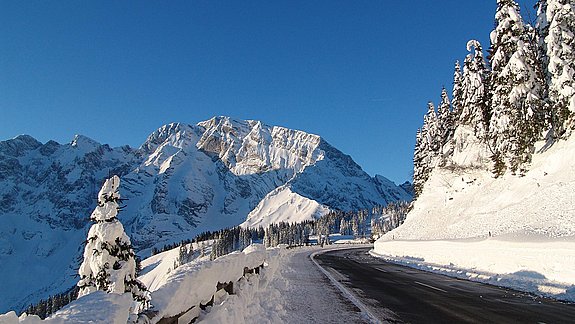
(184, 179)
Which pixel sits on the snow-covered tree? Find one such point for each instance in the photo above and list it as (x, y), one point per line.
(444, 120)
(432, 131)
(517, 90)
(428, 148)
(475, 98)
(457, 94)
(419, 168)
(109, 262)
(471, 111)
(556, 28)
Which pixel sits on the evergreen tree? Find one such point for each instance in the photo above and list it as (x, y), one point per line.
(419, 167)
(457, 94)
(445, 121)
(432, 131)
(517, 90)
(109, 262)
(427, 148)
(556, 29)
(475, 98)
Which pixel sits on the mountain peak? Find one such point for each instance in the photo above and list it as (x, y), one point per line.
(175, 132)
(18, 145)
(84, 142)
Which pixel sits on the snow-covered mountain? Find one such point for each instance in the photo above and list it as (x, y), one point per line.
(184, 179)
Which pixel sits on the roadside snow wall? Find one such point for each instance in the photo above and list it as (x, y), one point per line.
(194, 285)
(187, 291)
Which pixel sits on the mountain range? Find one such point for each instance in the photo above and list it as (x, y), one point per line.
(183, 180)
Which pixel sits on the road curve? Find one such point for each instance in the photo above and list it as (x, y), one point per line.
(397, 294)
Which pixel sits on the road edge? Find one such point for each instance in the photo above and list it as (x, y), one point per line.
(346, 293)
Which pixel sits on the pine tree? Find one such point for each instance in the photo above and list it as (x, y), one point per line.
(517, 90)
(420, 170)
(475, 98)
(457, 94)
(556, 29)
(432, 131)
(445, 123)
(471, 111)
(109, 262)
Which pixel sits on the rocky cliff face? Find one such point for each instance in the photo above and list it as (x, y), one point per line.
(184, 179)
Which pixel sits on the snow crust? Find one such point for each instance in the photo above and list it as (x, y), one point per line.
(531, 221)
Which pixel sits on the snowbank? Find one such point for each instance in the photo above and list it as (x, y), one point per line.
(195, 283)
(544, 268)
(175, 291)
(97, 307)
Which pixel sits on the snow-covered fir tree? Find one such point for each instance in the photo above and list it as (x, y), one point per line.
(109, 262)
(475, 109)
(419, 167)
(432, 131)
(446, 125)
(427, 147)
(517, 90)
(556, 28)
(457, 94)
(471, 111)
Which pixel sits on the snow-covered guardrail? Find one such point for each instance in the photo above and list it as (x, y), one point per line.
(194, 286)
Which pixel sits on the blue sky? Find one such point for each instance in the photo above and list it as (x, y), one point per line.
(358, 73)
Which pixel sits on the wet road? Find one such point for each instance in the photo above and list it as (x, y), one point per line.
(399, 294)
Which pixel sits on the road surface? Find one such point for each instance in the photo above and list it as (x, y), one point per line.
(398, 294)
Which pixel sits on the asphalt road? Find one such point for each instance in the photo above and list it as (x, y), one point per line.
(399, 294)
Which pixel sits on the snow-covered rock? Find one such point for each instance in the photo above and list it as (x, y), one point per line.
(183, 180)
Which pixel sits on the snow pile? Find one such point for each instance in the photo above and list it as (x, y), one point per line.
(175, 291)
(97, 307)
(532, 220)
(195, 283)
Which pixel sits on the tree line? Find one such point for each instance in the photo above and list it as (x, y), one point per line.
(502, 105)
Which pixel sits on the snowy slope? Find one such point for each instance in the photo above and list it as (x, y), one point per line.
(184, 180)
(511, 231)
(282, 204)
(466, 203)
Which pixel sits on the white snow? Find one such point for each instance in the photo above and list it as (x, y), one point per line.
(175, 291)
(97, 307)
(284, 205)
(531, 220)
(541, 267)
(298, 293)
